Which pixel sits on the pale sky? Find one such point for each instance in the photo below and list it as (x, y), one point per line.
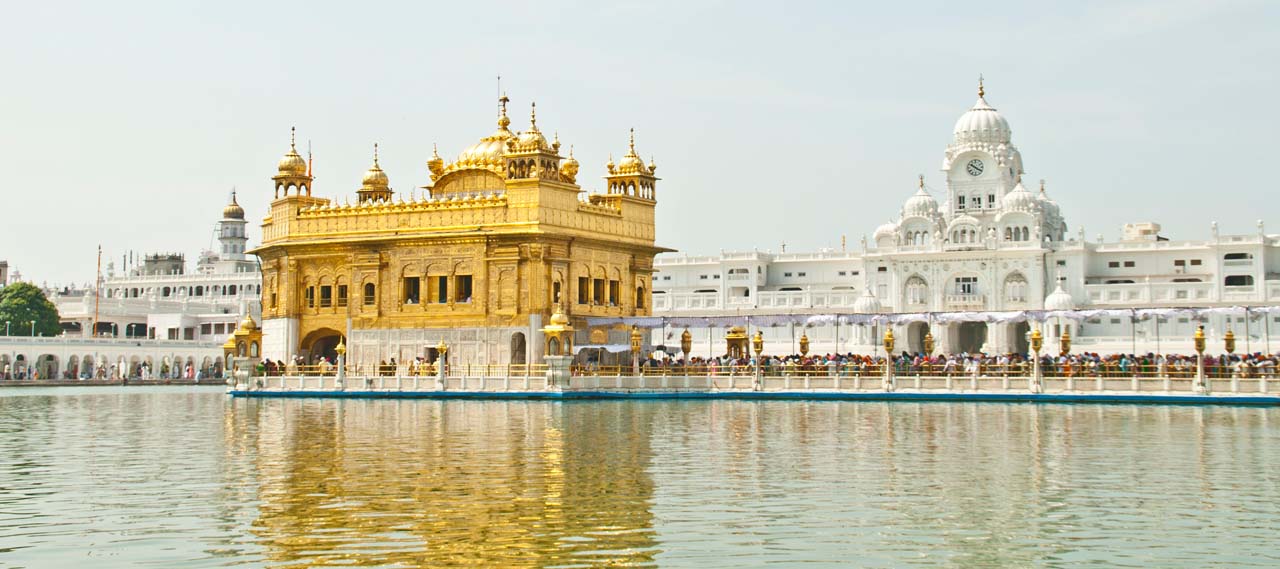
(127, 124)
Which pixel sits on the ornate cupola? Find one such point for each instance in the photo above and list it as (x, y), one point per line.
(530, 156)
(293, 174)
(631, 177)
(375, 186)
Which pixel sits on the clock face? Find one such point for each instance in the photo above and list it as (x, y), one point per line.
(974, 167)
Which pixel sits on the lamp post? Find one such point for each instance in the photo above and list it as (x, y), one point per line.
(1037, 342)
(888, 358)
(804, 344)
(686, 345)
(1199, 385)
(637, 341)
(442, 352)
(341, 350)
(928, 351)
(757, 344)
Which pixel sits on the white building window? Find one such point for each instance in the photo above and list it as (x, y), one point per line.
(966, 285)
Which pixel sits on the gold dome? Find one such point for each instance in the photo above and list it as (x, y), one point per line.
(559, 318)
(436, 163)
(233, 209)
(292, 164)
(374, 177)
(248, 324)
(631, 163)
(488, 152)
(569, 168)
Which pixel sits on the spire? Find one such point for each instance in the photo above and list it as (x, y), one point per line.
(503, 121)
(633, 140)
(293, 131)
(921, 181)
(375, 154)
(435, 153)
(533, 116)
(981, 91)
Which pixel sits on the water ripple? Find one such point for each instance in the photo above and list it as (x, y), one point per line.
(168, 477)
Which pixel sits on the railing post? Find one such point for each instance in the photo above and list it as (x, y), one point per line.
(888, 374)
(1134, 382)
(1100, 382)
(442, 383)
(1199, 385)
(1037, 376)
(1235, 381)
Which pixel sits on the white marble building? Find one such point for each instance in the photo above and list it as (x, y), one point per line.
(991, 244)
(160, 300)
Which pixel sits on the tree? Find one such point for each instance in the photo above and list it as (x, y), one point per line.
(22, 303)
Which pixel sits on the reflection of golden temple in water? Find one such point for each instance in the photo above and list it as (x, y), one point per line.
(434, 484)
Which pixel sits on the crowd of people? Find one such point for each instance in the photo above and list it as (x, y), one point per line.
(1083, 364)
(135, 371)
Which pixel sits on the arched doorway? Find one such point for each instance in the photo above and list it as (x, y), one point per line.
(517, 348)
(971, 336)
(47, 366)
(1018, 342)
(915, 336)
(322, 342)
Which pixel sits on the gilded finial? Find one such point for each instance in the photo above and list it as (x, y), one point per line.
(375, 154)
(571, 151)
(1042, 185)
(503, 121)
(533, 115)
(435, 153)
(293, 131)
(633, 140)
(922, 181)
(981, 91)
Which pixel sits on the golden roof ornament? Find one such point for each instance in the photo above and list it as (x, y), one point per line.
(609, 166)
(503, 121)
(292, 163)
(569, 168)
(233, 209)
(374, 177)
(436, 163)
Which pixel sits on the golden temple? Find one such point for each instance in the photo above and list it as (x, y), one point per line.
(505, 237)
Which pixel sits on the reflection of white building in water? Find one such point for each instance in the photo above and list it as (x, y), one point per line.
(992, 244)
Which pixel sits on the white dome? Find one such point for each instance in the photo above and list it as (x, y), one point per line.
(867, 303)
(1049, 205)
(1019, 200)
(886, 230)
(982, 124)
(1059, 300)
(921, 204)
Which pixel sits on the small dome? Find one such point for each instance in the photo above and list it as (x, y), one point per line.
(921, 204)
(233, 209)
(248, 323)
(1019, 200)
(867, 303)
(375, 178)
(1049, 205)
(886, 230)
(982, 123)
(559, 318)
(631, 162)
(292, 164)
(1059, 300)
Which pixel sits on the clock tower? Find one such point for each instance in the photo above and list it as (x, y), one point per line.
(981, 163)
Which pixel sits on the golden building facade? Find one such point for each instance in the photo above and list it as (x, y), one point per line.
(505, 236)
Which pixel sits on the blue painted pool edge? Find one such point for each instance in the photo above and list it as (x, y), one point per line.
(1153, 399)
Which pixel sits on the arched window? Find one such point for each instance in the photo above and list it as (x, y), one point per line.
(370, 294)
(1239, 280)
(917, 291)
(1015, 288)
(1026, 235)
(639, 297)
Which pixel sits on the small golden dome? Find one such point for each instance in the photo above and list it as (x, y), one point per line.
(559, 318)
(569, 168)
(248, 324)
(233, 209)
(436, 163)
(374, 177)
(292, 164)
(631, 163)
